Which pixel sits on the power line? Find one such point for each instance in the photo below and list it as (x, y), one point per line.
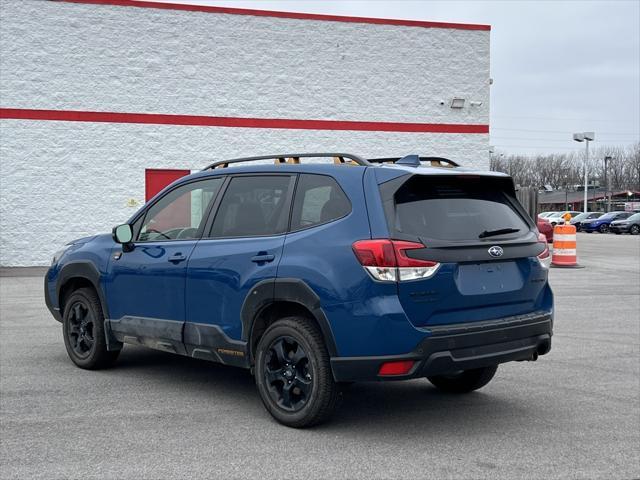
(563, 132)
(566, 118)
(533, 147)
(552, 140)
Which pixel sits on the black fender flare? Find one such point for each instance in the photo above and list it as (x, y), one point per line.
(87, 270)
(292, 290)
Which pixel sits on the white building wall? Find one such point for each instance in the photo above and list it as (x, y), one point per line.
(62, 180)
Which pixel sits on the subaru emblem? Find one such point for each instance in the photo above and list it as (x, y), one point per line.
(496, 251)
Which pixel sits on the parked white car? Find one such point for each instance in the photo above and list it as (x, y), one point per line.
(556, 218)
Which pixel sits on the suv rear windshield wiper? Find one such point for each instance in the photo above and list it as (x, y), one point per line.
(491, 233)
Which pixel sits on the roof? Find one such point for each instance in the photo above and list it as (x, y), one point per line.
(342, 161)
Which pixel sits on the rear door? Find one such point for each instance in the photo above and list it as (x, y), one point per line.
(242, 247)
(485, 243)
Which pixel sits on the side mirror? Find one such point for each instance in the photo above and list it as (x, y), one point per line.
(122, 234)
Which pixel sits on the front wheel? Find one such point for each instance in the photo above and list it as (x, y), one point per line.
(83, 331)
(464, 381)
(293, 373)
(604, 228)
(634, 230)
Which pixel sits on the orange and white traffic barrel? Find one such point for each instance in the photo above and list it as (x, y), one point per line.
(565, 253)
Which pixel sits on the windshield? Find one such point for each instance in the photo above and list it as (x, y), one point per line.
(635, 217)
(455, 208)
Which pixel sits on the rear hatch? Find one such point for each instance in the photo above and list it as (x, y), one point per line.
(485, 245)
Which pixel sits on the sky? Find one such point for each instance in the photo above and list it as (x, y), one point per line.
(558, 66)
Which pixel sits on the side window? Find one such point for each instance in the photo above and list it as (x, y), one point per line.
(319, 199)
(178, 215)
(253, 206)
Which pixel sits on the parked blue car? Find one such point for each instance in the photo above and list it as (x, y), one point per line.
(316, 275)
(601, 224)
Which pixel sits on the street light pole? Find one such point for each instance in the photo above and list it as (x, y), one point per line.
(607, 159)
(585, 137)
(586, 176)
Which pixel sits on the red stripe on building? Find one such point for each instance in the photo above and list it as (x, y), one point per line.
(238, 122)
(276, 14)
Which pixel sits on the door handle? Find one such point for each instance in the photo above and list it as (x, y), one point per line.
(177, 258)
(263, 258)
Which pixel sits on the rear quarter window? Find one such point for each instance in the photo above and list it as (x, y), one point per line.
(318, 199)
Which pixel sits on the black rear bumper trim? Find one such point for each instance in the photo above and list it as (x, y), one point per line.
(486, 344)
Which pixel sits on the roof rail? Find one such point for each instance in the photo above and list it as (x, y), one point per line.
(294, 158)
(411, 160)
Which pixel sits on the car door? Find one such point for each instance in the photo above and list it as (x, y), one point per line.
(146, 280)
(241, 248)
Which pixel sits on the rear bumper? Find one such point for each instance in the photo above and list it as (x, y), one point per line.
(457, 347)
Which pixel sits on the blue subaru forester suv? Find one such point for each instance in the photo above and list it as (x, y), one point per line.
(316, 275)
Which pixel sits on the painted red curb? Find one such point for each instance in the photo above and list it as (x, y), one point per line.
(278, 14)
(238, 122)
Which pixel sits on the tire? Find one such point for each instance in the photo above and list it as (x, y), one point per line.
(83, 331)
(293, 373)
(464, 382)
(604, 228)
(634, 229)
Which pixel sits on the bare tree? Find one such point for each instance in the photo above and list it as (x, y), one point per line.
(566, 170)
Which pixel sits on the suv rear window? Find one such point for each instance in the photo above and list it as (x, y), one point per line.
(454, 208)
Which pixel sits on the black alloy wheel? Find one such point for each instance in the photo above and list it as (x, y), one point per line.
(604, 228)
(634, 229)
(287, 375)
(83, 331)
(293, 373)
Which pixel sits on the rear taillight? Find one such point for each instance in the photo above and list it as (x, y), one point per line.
(545, 256)
(387, 260)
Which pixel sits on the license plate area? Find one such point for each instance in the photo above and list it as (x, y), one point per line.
(488, 278)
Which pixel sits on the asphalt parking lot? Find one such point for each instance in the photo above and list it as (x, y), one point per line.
(574, 413)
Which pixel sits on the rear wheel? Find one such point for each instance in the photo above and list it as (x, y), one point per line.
(604, 228)
(634, 230)
(465, 381)
(83, 331)
(293, 373)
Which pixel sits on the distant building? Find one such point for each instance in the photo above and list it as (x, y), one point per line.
(574, 200)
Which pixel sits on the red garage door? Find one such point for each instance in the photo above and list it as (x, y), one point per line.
(156, 179)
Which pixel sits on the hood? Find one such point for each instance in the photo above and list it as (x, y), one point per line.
(83, 240)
